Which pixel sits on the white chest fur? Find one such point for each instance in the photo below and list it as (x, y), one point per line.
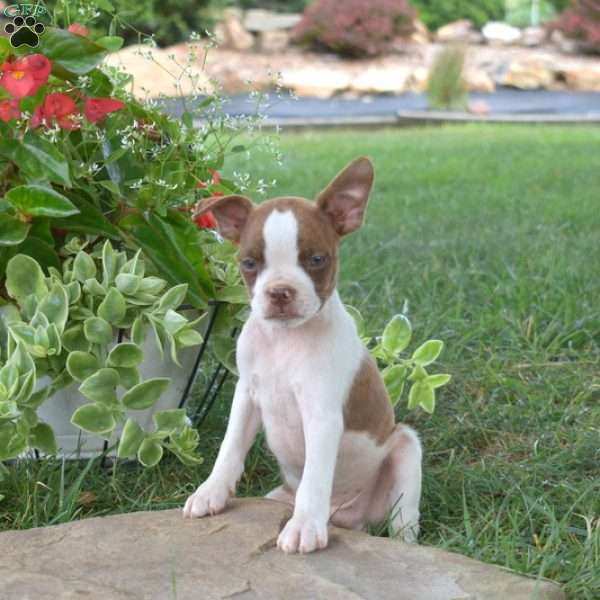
(301, 373)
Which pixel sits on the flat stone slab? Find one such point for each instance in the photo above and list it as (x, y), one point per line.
(161, 556)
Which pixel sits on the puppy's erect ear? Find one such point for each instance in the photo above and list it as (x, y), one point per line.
(344, 200)
(230, 212)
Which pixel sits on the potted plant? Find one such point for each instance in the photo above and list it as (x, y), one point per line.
(100, 251)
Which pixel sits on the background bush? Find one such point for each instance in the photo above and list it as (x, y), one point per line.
(355, 27)
(435, 13)
(582, 22)
(170, 21)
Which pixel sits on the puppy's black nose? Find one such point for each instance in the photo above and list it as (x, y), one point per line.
(281, 295)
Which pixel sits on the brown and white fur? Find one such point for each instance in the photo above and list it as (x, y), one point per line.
(306, 377)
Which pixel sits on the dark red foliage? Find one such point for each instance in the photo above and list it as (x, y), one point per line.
(355, 27)
(582, 22)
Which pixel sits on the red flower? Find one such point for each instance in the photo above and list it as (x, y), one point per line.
(25, 76)
(58, 108)
(97, 108)
(206, 221)
(9, 109)
(217, 194)
(79, 29)
(214, 180)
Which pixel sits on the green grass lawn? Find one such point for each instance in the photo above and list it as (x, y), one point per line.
(491, 237)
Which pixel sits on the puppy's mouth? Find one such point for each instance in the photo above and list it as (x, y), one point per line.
(277, 315)
(282, 313)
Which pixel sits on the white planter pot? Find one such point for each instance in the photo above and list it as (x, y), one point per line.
(73, 443)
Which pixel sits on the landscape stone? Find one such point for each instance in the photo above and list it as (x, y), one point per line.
(273, 41)
(318, 82)
(235, 35)
(477, 80)
(529, 73)
(382, 81)
(582, 76)
(457, 31)
(257, 20)
(496, 32)
(533, 36)
(151, 76)
(161, 556)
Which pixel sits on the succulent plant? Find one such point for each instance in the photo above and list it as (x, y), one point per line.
(64, 326)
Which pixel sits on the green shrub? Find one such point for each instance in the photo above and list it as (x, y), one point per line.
(446, 88)
(169, 21)
(435, 13)
(519, 14)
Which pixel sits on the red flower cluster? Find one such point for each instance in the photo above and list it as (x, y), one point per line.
(25, 76)
(206, 221)
(581, 21)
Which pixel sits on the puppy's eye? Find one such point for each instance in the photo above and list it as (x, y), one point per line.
(316, 260)
(249, 265)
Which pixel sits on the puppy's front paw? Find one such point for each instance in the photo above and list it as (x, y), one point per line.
(303, 535)
(209, 499)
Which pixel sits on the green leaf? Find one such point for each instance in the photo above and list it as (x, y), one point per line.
(97, 331)
(40, 201)
(396, 335)
(128, 376)
(145, 394)
(173, 299)
(427, 353)
(188, 337)
(89, 220)
(125, 354)
(150, 453)
(38, 156)
(42, 438)
(224, 350)
(170, 420)
(75, 53)
(235, 294)
(84, 266)
(418, 374)
(12, 230)
(422, 394)
(101, 386)
(55, 306)
(436, 381)
(132, 437)
(24, 277)
(111, 42)
(394, 378)
(138, 331)
(43, 253)
(174, 247)
(127, 283)
(5, 49)
(73, 339)
(82, 365)
(95, 418)
(113, 307)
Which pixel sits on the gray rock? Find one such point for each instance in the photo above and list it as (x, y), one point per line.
(257, 20)
(160, 556)
(496, 32)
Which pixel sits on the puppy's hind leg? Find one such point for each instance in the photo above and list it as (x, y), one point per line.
(397, 492)
(282, 494)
